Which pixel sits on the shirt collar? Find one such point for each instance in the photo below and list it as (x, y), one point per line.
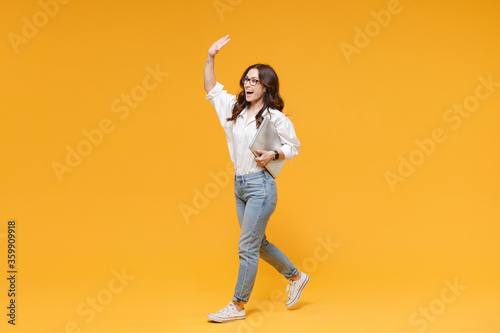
(244, 115)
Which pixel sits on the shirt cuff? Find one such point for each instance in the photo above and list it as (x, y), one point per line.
(215, 91)
(287, 151)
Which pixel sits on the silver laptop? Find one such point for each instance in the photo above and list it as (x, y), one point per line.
(267, 138)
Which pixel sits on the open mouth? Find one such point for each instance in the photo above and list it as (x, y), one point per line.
(249, 93)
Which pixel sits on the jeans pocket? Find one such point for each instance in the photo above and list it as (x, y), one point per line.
(256, 188)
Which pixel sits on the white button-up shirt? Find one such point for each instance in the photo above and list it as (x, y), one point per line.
(239, 135)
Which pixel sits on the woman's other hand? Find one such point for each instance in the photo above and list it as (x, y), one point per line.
(264, 158)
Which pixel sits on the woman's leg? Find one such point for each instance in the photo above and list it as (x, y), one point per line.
(255, 201)
(276, 258)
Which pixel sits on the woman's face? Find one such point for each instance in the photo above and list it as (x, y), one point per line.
(253, 93)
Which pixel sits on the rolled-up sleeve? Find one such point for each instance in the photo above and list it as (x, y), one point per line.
(286, 131)
(222, 102)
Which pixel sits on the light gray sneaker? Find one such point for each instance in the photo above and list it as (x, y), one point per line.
(229, 313)
(294, 289)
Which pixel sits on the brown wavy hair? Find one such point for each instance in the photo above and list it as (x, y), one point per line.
(272, 99)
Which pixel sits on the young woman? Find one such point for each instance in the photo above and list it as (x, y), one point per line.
(254, 188)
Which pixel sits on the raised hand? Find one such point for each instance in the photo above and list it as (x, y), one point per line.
(218, 45)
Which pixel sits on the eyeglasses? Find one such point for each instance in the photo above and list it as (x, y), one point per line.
(252, 81)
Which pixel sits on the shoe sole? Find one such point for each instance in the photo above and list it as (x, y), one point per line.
(223, 320)
(299, 294)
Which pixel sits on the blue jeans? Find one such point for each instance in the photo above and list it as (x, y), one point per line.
(256, 198)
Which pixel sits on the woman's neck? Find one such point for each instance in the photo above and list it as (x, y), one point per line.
(255, 107)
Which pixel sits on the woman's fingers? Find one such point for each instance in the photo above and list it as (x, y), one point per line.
(264, 158)
(223, 39)
(226, 37)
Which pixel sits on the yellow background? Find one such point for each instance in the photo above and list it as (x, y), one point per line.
(121, 208)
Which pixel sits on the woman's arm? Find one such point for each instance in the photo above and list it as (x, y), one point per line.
(209, 74)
